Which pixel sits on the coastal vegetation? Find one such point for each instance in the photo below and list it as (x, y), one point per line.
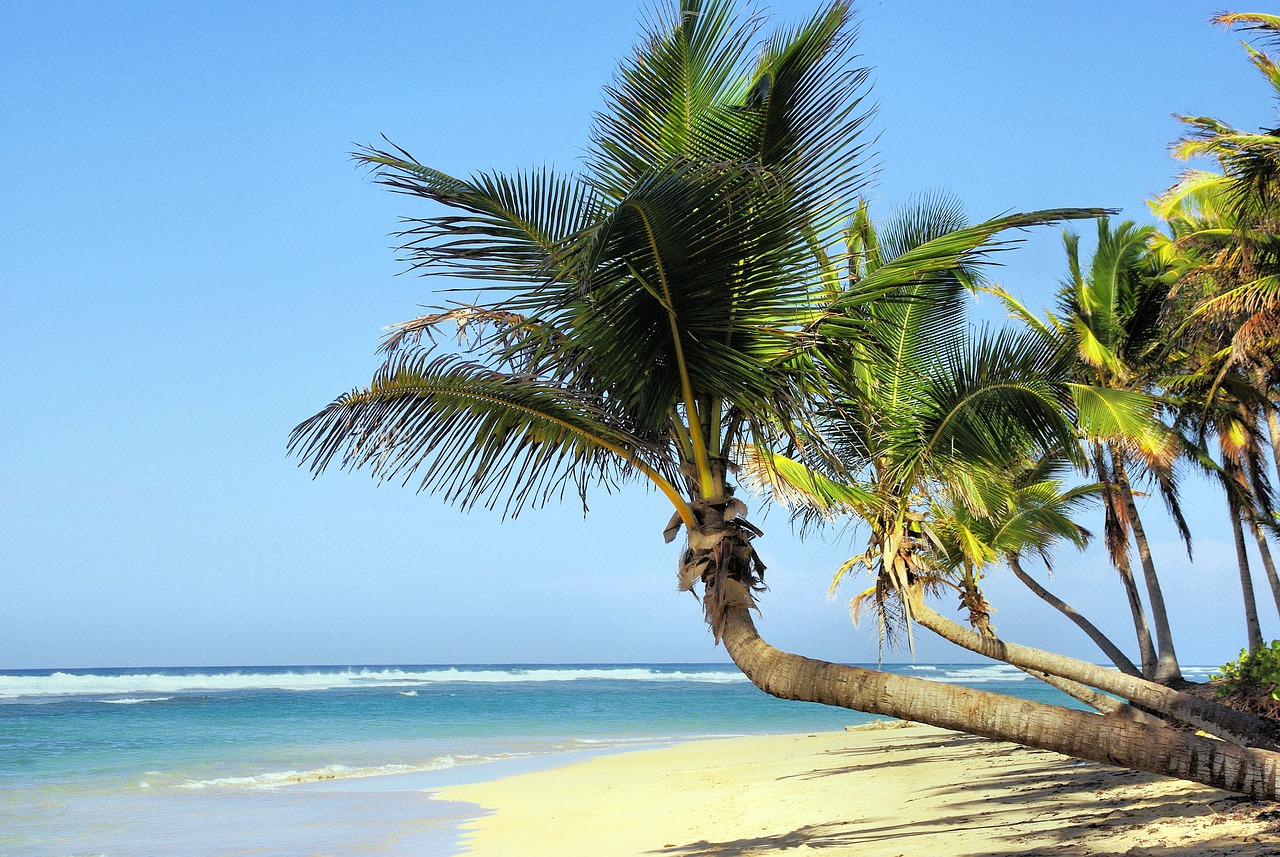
(710, 300)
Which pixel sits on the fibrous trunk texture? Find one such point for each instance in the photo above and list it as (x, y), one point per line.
(1273, 433)
(1111, 740)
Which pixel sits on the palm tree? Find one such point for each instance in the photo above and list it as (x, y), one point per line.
(917, 408)
(643, 318)
(1223, 244)
(1108, 318)
(1029, 513)
(927, 422)
(1225, 408)
(1247, 187)
(1225, 226)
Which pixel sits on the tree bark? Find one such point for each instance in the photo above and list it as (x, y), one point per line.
(1273, 432)
(1253, 630)
(1110, 649)
(1264, 551)
(1098, 701)
(1120, 559)
(1236, 726)
(1110, 740)
(1167, 669)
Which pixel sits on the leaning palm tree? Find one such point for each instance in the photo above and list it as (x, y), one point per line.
(641, 319)
(926, 422)
(1030, 512)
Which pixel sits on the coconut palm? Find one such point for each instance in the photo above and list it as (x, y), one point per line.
(1028, 514)
(1223, 410)
(1227, 221)
(1223, 245)
(917, 408)
(641, 319)
(927, 425)
(1108, 319)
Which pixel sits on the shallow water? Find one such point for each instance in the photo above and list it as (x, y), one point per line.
(341, 760)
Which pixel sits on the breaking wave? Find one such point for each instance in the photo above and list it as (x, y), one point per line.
(140, 686)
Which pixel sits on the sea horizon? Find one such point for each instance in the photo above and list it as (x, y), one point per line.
(235, 760)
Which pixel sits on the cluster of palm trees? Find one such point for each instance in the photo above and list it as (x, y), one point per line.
(709, 301)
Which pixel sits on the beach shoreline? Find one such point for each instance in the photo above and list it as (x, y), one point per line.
(873, 792)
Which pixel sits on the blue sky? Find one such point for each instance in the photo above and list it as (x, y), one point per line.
(190, 265)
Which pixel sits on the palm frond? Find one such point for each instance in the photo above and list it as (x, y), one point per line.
(795, 486)
(1128, 416)
(476, 436)
(513, 227)
(936, 261)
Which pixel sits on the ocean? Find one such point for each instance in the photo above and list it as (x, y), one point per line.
(342, 760)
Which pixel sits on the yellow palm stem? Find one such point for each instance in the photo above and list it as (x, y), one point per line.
(706, 484)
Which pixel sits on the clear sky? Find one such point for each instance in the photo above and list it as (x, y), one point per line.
(190, 265)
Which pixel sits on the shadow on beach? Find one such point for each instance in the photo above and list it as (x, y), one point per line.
(1061, 806)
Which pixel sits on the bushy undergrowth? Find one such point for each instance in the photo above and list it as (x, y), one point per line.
(1252, 681)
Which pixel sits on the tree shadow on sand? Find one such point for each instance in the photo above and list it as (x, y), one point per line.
(819, 837)
(1021, 813)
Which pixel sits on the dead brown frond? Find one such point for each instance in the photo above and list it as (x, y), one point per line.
(467, 320)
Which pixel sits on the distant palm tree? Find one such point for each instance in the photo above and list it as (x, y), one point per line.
(1108, 319)
(677, 298)
(1230, 219)
(1225, 246)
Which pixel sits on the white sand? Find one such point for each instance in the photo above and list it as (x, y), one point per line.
(870, 793)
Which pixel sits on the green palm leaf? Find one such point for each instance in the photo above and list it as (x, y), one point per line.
(513, 228)
(474, 435)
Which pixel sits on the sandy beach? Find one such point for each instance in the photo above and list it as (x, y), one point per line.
(871, 792)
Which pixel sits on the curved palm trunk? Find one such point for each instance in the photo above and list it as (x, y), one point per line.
(1117, 544)
(1111, 740)
(1236, 726)
(1252, 629)
(1167, 669)
(1110, 649)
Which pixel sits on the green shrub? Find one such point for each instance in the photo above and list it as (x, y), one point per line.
(1257, 669)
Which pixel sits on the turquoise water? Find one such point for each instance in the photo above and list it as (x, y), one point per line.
(341, 760)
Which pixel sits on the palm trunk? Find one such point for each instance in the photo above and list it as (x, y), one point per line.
(1146, 648)
(1167, 669)
(1111, 740)
(1096, 700)
(1110, 649)
(1236, 726)
(1273, 432)
(1252, 629)
(1264, 551)
(1120, 559)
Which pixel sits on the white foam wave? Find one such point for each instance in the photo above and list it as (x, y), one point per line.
(134, 700)
(406, 692)
(64, 684)
(275, 779)
(971, 674)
